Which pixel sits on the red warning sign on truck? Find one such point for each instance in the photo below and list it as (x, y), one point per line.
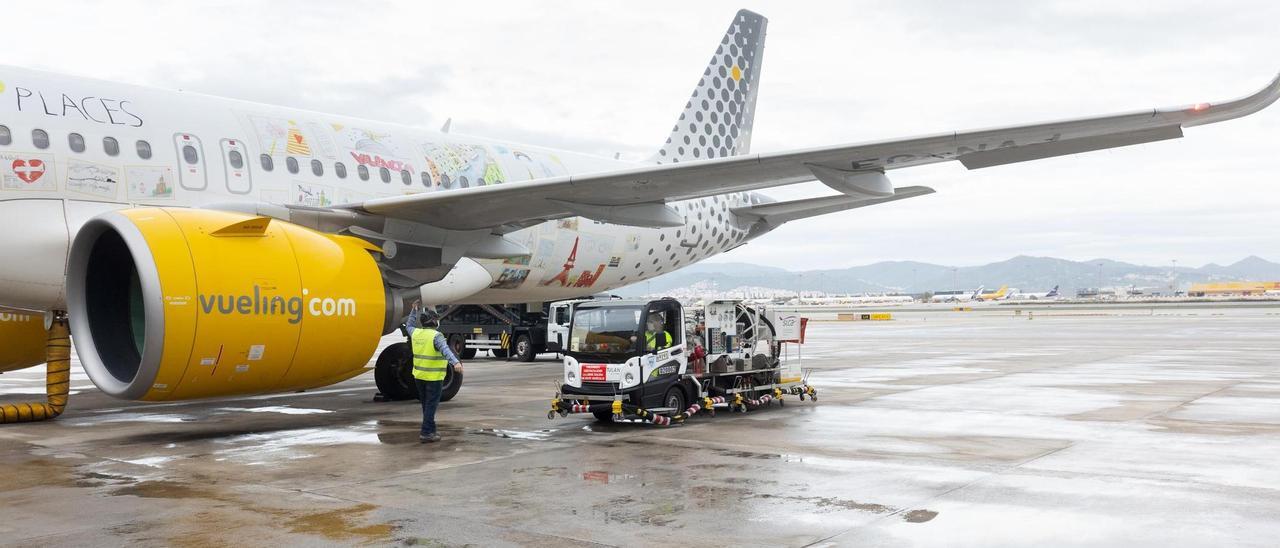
(594, 373)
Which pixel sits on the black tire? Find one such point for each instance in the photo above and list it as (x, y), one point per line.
(458, 343)
(452, 384)
(523, 349)
(393, 373)
(603, 416)
(676, 399)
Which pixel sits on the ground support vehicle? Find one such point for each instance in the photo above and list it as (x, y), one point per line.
(647, 360)
(518, 332)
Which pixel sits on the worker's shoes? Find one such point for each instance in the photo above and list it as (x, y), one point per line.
(430, 438)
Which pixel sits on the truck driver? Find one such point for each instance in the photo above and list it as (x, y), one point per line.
(655, 335)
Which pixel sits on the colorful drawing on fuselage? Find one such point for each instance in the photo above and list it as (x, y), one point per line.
(272, 134)
(457, 165)
(148, 182)
(312, 195)
(511, 278)
(585, 262)
(27, 171)
(92, 179)
(529, 165)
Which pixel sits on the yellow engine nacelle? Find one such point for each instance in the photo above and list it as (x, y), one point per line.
(22, 340)
(174, 304)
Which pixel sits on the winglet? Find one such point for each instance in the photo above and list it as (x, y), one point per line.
(1208, 113)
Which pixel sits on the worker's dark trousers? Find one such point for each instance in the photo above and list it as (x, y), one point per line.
(429, 394)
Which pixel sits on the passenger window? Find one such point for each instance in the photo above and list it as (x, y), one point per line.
(317, 168)
(236, 159)
(76, 142)
(111, 146)
(385, 174)
(363, 171)
(144, 150)
(426, 179)
(405, 177)
(41, 138)
(6, 138)
(268, 164)
(341, 169)
(189, 155)
(292, 164)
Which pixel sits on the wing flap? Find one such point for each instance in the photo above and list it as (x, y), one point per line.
(1002, 156)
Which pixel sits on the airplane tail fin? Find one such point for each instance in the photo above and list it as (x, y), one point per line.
(1052, 292)
(717, 120)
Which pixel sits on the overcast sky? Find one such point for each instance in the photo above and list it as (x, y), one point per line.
(607, 77)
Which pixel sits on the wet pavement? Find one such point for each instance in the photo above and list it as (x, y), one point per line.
(938, 428)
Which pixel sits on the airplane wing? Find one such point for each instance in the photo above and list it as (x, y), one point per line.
(856, 170)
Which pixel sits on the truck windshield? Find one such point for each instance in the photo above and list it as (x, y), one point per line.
(605, 330)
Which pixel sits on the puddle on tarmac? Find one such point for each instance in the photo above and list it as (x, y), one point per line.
(919, 516)
(344, 525)
(538, 435)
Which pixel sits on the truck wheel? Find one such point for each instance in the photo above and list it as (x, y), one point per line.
(458, 343)
(523, 350)
(452, 384)
(675, 399)
(603, 416)
(393, 373)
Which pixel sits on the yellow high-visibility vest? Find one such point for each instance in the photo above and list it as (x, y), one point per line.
(651, 338)
(429, 364)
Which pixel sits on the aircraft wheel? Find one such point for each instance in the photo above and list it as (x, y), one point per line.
(393, 373)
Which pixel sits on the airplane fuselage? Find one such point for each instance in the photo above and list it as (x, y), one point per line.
(71, 148)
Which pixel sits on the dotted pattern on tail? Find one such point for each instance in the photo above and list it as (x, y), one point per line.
(716, 121)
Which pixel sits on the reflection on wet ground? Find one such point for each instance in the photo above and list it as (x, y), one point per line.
(950, 429)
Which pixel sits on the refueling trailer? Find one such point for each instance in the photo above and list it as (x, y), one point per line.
(649, 360)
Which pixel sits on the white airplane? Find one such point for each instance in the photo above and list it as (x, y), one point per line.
(1034, 295)
(207, 247)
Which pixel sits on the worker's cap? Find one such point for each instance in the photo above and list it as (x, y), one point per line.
(428, 319)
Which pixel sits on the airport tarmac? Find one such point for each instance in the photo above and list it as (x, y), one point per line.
(937, 428)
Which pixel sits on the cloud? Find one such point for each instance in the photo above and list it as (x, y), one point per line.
(610, 77)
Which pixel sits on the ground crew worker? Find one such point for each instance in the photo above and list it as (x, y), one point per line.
(655, 337)
(431, 358)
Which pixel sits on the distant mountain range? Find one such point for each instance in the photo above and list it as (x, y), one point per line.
(1023, 272)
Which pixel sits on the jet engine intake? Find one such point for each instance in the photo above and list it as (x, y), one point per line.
(175, 304)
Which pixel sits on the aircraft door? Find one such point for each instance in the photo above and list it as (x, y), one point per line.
(236, 166)
(192, 170)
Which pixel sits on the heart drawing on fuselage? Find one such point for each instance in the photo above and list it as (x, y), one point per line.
(29, 171)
